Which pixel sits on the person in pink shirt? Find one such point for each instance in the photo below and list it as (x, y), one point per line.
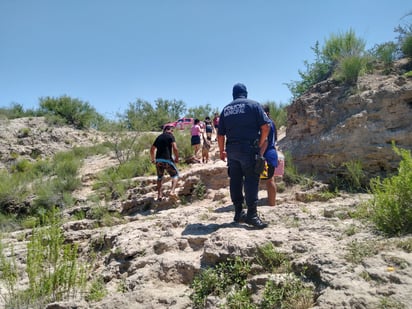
(196, 132)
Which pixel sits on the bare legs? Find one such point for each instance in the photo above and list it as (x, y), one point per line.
(174, 183)
(172, 189)
(271, 188)
(159, 189)
(196, 149)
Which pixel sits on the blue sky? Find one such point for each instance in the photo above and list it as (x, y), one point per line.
(110, 53)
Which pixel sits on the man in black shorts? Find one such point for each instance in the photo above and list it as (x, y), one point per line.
(163, 146)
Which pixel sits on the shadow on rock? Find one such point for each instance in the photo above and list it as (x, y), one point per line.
(204, 229)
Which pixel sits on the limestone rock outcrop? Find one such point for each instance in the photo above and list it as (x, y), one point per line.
(332, 125)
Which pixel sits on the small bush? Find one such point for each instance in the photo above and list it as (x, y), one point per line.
(183, 143)
(97, 290)
(199, 190)
(42, 168)
(392, 198)
(357, 251)
(385, 53)
(110, 184)
(349, 69)
(290, 294)
(70, 111)
(13, 191)
(8, 223)
(219, 281)
(24, 132)
(291, 175)
(52, 268)
(390, 303)
(17, 111)
(405, 245)
(354, 176)
(239, 299)
(9, 273)
(271, 259)
(407, 46)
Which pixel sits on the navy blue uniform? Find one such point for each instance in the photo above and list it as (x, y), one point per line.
(240, 121)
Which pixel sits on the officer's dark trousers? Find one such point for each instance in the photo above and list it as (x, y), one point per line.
(243, 178)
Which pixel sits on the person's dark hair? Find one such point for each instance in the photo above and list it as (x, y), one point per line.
(167, 128)
(266, 108)
(197, 121)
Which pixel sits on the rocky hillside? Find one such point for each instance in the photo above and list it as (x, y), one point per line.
(331, 125)
(32, 138)
(150, 256)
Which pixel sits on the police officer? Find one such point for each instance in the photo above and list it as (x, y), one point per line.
(244, 126)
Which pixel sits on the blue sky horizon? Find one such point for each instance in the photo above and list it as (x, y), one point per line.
(110, 54)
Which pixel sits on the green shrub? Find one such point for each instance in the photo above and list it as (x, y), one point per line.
(315, 72)
(357, 251)
(42, 168)
(341, 56)
(84, 152)
(184, 146)
(17, 111)
(114, 181)
(271, 259)
(290, 294)
(387, 302)
(46, 197)
(65, 166)
(97, 290)
(71, 111)
(9, 274)
(8, 222)
(349, 69)
(24, 132)
(407, 46)
(240, 299)
(228, 280)
(52, 267)
(103, 215)
(139, 166)
(13, 191)
(291, 175)
(143, 116)
(392, 198)
(342, 45)
(124, 147)
(219, 281)
(110, 184)
(405, 245)
(385, 53)
(354, 176)
(199, 190)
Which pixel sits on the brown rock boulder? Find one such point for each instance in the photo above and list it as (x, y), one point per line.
(331, 125)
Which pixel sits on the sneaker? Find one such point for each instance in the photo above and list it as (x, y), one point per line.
(256, 222)
(240, 217)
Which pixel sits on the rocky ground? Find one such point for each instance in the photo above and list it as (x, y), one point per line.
(149, 259)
